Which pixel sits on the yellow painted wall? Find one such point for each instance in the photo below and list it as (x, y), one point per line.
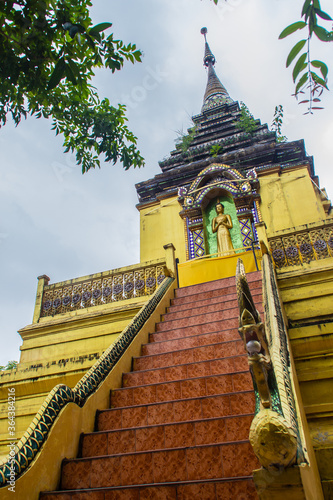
(289, 199)
(161, 224)
(307, 294)
(59, 350)
(197, 271)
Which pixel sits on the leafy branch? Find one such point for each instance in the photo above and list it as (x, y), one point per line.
(246, 121)
(49, 50)
(11, 365)
(277, 123)
(305, 72)
(184, 141)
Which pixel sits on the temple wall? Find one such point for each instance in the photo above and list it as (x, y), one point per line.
(59, 351)
(161, 224)
(307, 294)
(289, 199)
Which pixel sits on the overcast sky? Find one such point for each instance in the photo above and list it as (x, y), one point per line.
(57, 222)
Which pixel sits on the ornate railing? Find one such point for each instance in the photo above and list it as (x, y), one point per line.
(274, 434)
(303, 246)
(33, 439)
(110, 286)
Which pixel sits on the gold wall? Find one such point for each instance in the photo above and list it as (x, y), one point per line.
(161, 224)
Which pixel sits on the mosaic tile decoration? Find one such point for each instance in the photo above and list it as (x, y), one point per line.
(246, 231)
(199, 243)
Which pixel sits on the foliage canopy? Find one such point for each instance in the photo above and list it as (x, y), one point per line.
(49, 51)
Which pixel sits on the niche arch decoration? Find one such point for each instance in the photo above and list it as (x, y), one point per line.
(240, 192)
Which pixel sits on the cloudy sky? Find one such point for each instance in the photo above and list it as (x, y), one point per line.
(57, 222)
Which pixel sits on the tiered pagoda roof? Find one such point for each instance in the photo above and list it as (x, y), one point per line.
(217, 137)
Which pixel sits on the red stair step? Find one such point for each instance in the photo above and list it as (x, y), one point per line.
(221, 489)
(216, 285)
(199, 309)
(224, 301)
(182, 464)
(216, 317)
(196, 329)
(196, 295)
(203, 315)
(167, 436)
(161, 346)
(181, 389)
(176, 411)
(201, 338)
(190, 370)
(192, 355)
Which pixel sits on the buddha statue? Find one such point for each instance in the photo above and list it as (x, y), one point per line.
(221, 225)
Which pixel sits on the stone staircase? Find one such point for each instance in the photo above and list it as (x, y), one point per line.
(178, 429)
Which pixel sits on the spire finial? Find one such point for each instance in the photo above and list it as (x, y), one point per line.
(208, 57)
(203, 31)
(215, 92)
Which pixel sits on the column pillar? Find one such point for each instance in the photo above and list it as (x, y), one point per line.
(42, 281)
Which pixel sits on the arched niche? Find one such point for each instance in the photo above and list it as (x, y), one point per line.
(236, 192)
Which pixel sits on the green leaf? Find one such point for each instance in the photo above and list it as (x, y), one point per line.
(58, 74)
(319, 80)
(323, 15)
(292, 28)
(74, 67)
(304, 78)
(137, 54)
(294, 51)
(98, 28)
(299, 66)
(322, 34)
(306, 5)
(70, 75)
(89, 40)
(322, 66)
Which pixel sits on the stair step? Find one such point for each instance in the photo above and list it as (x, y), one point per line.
(202, 338)
(197, 408)
(190, 355)
(167, 436)
(211, 489)
(190, 370)
(216, 285)
(223, 301)
(181, 389)
(198, 319)
(161, 346)
(197, 310)
(162, 466)
(255, 287)
(196, 329)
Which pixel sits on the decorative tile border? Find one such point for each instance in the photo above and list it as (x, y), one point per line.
(111, 287)
(304, 246)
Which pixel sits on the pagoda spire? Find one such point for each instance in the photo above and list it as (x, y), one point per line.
(215, 94)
